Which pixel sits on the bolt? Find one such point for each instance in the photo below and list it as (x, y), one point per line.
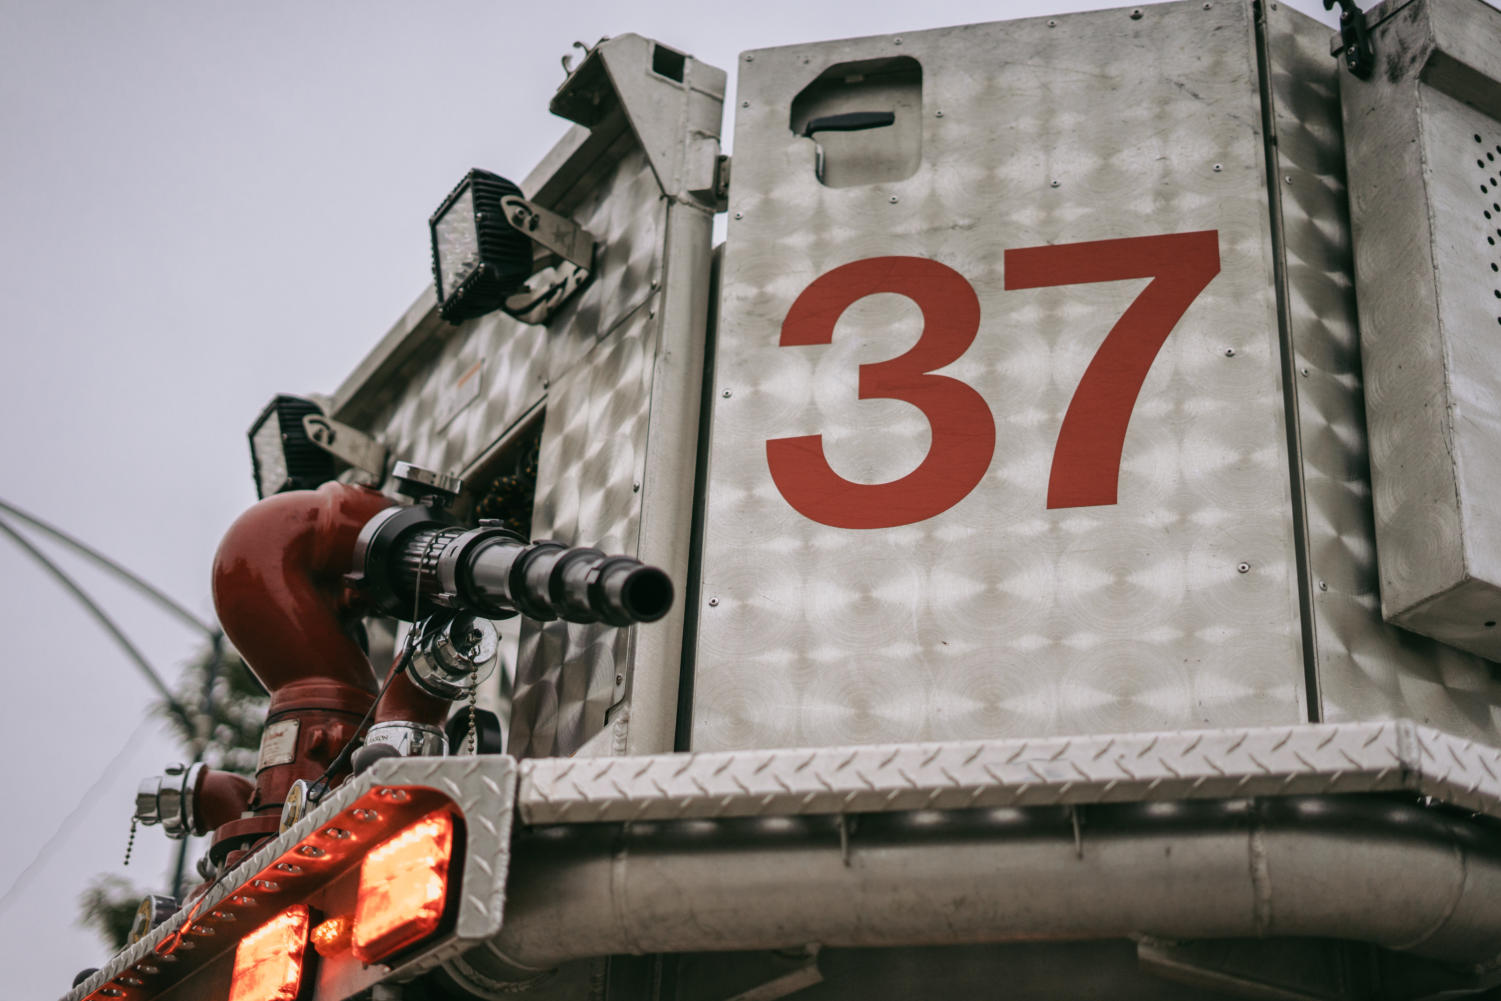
(1323, 585)
(713, 602)
(1229, 352)
(1219, 167)
(1243, 567)
(726, 394)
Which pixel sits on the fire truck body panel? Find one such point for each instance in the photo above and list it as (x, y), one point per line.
(1012, 460)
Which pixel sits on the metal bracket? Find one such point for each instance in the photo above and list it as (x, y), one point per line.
(1354, 38)
(563, 259)
(556, 236)
(347, 444)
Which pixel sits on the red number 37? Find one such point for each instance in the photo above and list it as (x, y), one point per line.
(1086, 460)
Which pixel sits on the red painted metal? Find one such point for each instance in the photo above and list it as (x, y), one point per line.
(219, 798)
(405, 701)
(280, 595)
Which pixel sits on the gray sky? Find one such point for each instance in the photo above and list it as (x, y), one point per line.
(203, 204)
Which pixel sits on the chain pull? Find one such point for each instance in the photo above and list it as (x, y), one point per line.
(471, 741)
(130, 842)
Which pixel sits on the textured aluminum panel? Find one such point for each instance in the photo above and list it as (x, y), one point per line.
(483, 789)
(1425, 210)
(1154, 767)
(1366, 669)
(1000, 616)
(437, 421)
(589, 478)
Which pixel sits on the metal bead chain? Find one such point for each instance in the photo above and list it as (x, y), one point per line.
(471, 742)
(130, 842)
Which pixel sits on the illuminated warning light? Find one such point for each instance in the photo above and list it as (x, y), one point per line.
(269, 961)
(331, 937)
(403, 888)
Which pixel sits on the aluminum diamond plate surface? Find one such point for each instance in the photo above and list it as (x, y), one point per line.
(1000, 616)
(1366, 668)
(1157, 767)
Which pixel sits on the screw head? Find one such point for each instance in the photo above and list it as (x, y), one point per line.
(619, 679)
(1052, 24)
(1054, 182)
(893, 199)
(1323, 585)
(738, 216)
(745, 104)
(713, 602)
(937, 114)
(1219, 167)
(1243, 567)
(726, 394)
(1229, 352)
(1136, 14)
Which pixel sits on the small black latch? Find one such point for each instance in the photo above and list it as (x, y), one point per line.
(850, 121)
(1355, 38)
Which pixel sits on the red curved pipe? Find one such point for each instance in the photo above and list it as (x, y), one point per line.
(281, 598)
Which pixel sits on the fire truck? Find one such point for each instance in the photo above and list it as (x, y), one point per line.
(1048, 549)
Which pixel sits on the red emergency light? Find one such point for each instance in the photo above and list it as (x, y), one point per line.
(403, 889)
(269, 961)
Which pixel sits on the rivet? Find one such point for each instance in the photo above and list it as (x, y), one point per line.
(1305, 373)
(897, 40)
(1052, 24)
(1323, 585)
(1055, 182)
(937, 114)
(713, 602)
(1243, 567)
(1219, 167)
(1136, 14)
(1207, 6)
(619, 679)
(750, 58)
(738, 215)
(636, 487)
(726, 394)
(546, 383)
(1229, 352)
(1287, 178)
(893, 199)
(745, 104)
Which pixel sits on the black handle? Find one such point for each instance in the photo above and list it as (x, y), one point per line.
(850, 121)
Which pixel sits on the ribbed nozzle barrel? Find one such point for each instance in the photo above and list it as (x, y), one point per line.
(414, 563)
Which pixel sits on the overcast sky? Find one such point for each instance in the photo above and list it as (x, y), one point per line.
(205, 204)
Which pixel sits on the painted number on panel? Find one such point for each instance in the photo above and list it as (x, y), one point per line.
(1087, 458)
(962, 425)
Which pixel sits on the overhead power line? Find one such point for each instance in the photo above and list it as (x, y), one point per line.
(150, 590)
(104, 620)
